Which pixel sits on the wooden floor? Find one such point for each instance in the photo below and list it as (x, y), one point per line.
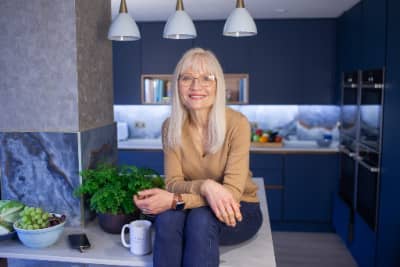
(293, 249)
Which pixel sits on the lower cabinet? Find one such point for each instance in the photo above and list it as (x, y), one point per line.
(153, 159)
(300, 189)
(310, 183)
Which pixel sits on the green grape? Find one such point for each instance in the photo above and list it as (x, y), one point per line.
(40, 221)
(30, 227)
(44, 225)
(45, 216)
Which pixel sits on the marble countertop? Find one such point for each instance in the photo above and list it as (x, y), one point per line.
(107, 248)
(292, 146)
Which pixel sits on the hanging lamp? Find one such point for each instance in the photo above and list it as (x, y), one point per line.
(123, 27)
(240, 23)
(179, 25)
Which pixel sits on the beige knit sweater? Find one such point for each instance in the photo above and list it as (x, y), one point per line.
(186, 169)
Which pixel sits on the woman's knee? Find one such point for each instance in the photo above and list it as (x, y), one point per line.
(201, 221)
(170, 222)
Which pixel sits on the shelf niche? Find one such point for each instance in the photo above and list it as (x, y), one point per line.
(156, 88)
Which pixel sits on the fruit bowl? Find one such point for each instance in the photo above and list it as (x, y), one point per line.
(40, 238)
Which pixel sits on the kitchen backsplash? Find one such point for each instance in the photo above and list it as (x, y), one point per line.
(303, 122)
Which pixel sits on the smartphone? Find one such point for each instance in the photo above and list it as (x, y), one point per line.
(79, 241)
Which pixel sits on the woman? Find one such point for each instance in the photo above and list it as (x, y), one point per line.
(210, 197)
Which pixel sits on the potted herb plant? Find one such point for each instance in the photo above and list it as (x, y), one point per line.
(110, 191)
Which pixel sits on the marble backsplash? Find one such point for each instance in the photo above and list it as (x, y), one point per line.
(302, 122)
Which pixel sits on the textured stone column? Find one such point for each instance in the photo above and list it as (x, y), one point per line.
(56, 99)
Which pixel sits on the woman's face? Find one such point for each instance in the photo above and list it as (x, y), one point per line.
(197, 90)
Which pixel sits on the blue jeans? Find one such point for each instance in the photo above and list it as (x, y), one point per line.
(191, 238)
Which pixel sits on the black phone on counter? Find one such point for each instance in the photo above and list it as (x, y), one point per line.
(79, 242)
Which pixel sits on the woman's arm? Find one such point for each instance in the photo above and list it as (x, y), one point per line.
(237, 166)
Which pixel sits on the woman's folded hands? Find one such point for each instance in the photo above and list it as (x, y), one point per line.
(221, 201)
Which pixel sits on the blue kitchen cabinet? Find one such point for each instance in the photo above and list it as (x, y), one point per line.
(388, 239)
(159, 55)
(363, 244)
(126, 72)
(232, 52)
(351, 43)
(373, 34)
(270, 167)
(293, 62)
(153, 159)
(341, 218)
(310, 183)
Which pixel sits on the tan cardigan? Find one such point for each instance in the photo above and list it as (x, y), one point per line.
(186, 169)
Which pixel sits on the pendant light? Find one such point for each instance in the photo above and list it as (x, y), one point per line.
(240, 23)
(179, 25)
(123, 27)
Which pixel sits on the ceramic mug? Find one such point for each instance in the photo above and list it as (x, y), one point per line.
(139, 237)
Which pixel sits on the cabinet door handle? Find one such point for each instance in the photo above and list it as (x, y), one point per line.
(347, 152)
(368, 167)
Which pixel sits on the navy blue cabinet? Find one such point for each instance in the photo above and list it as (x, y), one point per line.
(159, 55)
(270, 167)
(373, 34)
(127, 67)
(293, 62)
(388, 240)
(289, 61)
(233, 53)
(153, 159)
(310, 183)
(350, 34)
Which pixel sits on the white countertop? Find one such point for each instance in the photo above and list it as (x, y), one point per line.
(107, 249)
(293, 146)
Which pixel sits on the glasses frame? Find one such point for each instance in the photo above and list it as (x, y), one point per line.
(203, 82)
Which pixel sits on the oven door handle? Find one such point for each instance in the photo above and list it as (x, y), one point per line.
(367, 166)
(347, 152)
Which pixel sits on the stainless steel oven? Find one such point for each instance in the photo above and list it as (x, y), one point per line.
(350, 105)
(371, 108)
(368, 176)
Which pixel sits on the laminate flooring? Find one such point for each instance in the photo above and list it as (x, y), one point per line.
(298, 249)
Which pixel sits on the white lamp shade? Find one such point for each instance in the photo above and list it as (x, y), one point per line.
(179, 26)
(240, 24)
(123, 28)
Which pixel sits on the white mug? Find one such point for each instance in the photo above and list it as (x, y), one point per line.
(139, 236)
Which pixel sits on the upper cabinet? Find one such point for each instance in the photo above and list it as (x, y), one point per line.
(373, 34)
(126, 72)
(292, 62)
(233, 53)
(288, 62)
(160, 55)
(362, 36)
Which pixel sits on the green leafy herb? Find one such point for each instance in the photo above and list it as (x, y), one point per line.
(111, 188)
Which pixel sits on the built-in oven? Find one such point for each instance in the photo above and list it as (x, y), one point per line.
(371, 108)
(348, 168)
(350, 105)
(368, 175)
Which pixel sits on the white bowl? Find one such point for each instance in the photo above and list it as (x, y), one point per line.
(40, 238)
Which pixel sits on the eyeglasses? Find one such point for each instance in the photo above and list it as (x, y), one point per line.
(204, 80)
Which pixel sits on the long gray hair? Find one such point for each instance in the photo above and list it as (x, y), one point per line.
(202, 61)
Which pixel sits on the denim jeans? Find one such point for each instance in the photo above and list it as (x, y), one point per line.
(191, 238)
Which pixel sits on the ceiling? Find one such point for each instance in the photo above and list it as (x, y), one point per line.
(159, 10)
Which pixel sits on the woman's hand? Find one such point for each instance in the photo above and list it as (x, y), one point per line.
(221, 201)
(153, 201)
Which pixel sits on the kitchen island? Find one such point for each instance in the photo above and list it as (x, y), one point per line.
(108, 250)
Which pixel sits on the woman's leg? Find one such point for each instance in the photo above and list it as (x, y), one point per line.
(201, 239)
(168, 244)
(244, 230)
